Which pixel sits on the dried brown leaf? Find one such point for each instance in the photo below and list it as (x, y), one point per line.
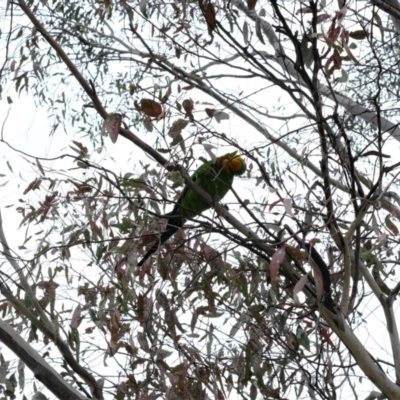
(114, 328)
(209, 112)
(188, 106)
(333, 34)
(337, 61)
(209, 15)
(151, 108)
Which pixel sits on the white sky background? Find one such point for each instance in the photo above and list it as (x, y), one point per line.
(27, 129)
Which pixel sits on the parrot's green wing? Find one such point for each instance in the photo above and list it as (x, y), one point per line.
(179, 214)
(182, 203)
(216, 179)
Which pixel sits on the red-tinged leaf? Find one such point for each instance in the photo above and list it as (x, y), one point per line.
(3, 309)
(342, 13)
(308, 324)
(76, 317)
(209, 15)
(111, 126)
(319, 282)
(287, 204)
(276, 261)
(299, 287)
(219, 395)
(251, 4)
(151, 108)
(114, 327)
(272, 205)
(337, 61)
(327, 337)
(333, 34)
(253, 392)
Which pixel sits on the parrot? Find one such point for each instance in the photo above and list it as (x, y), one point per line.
(216, 179)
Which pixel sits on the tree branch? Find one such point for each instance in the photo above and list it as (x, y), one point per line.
(40, 368)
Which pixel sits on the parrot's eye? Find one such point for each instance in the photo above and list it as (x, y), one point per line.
(236, 164)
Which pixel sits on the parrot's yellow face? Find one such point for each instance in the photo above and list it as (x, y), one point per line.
(233, 164)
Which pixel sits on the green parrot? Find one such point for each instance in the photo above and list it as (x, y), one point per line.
(215, 178)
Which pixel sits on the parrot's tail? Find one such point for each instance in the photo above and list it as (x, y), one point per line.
(174, 223)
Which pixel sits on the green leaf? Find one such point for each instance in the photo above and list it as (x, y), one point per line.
(39, 396)
(177, 139)
(133, 183)
(306, 52)
(236, 327)
(143, 7)
(283, 319)
(164, 151)
(155, 207)
(124, 227)
(344, 77)
(358, 35)
(302, 338)
(378, 20)
(258, 31)
(391, 225)
(245, 33)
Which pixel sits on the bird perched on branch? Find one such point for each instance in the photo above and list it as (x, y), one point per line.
(215, 177)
